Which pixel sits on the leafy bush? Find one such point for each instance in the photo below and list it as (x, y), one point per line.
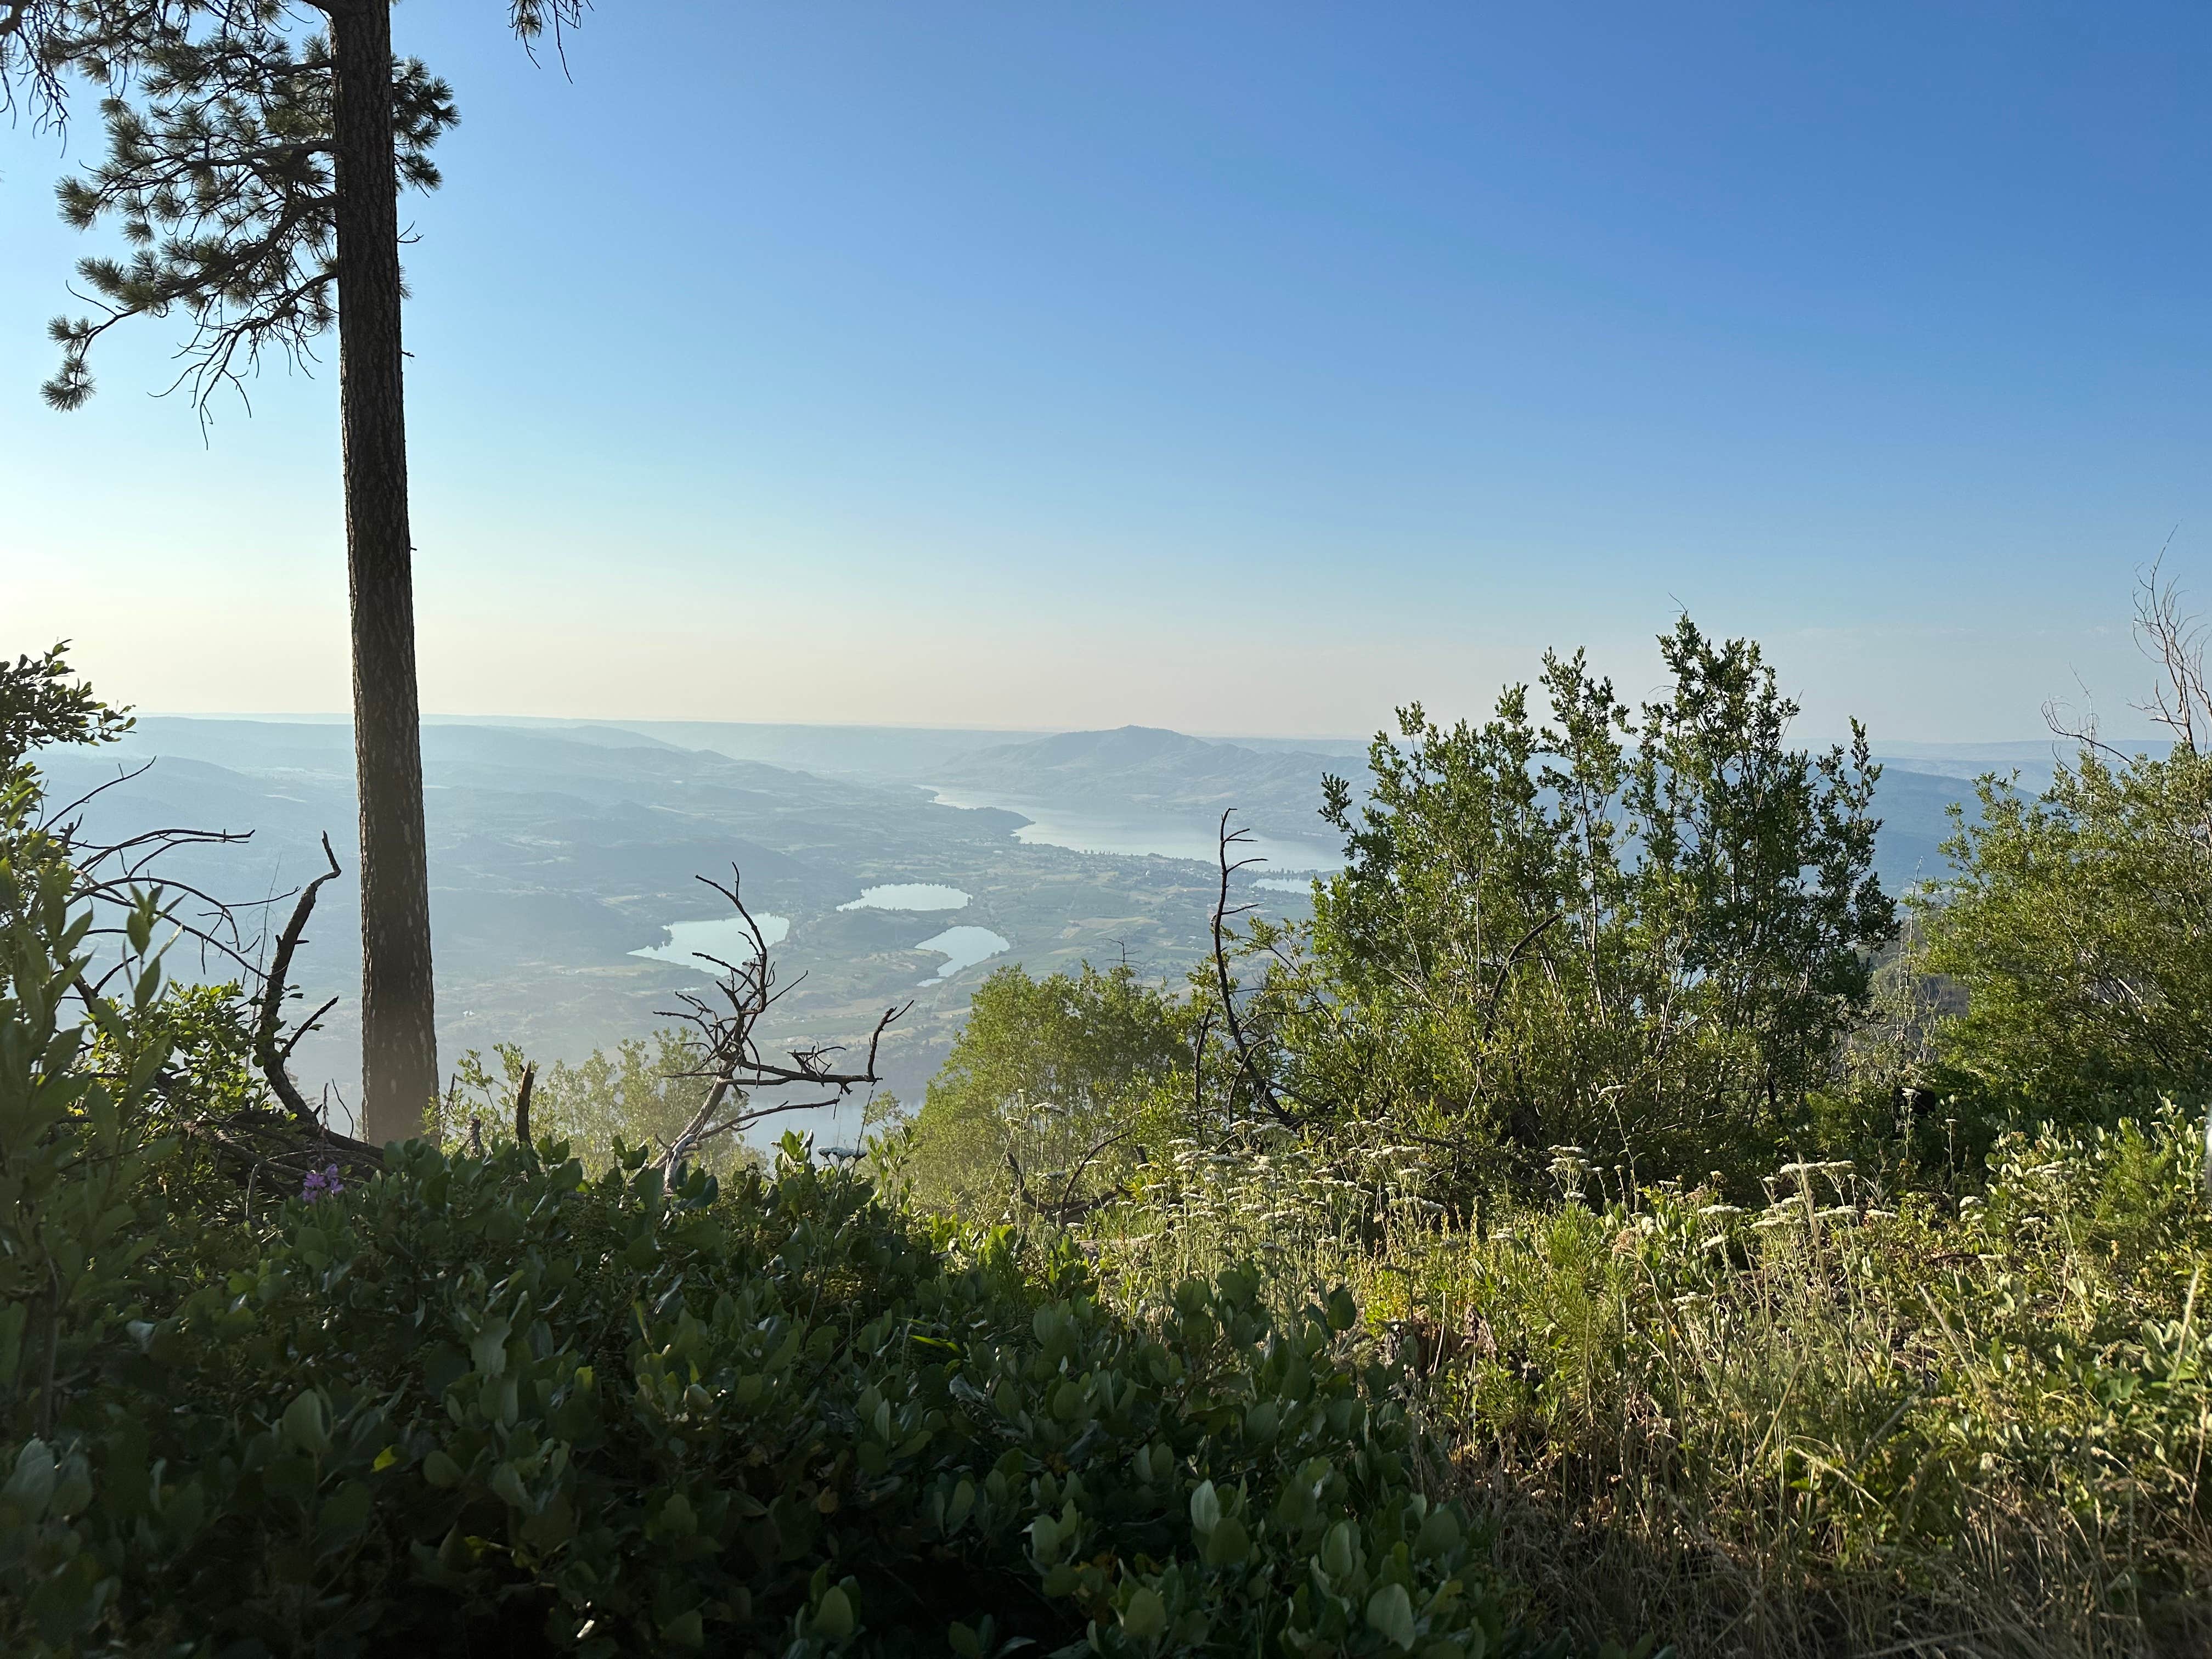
(483, 1394)
(493, 1402)
(2076, 926)
(41, 703)
(1644, 934)
(1051, 1089)
(642, 1093)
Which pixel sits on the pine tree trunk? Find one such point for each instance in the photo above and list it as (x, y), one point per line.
(400, 1044)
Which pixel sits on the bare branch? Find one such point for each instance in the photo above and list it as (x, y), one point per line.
(1067, 1187)
(2175, 640)
(1504, 968)
(1248, 1062)
(1067, 1209)
(273, 991)
(2080, 730)
(1198, 1065)
(313, 1022)
(110, 876)
(98, 789)
(729, 1051)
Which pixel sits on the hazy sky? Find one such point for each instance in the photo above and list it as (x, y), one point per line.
(1236, 368)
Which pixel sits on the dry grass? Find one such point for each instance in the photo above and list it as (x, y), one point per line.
(1834, 1426)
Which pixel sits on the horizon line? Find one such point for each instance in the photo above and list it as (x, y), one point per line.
(1897, 746)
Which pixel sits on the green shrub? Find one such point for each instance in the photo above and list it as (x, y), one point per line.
(1050, 1091)
(642, 1093)
(494, 1404)
(476, 1395)
(1644, 934)
(2074, 924)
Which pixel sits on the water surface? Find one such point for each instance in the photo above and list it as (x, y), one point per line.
(1136, 835)
(908, 895)
(963, 948)
(727, 937)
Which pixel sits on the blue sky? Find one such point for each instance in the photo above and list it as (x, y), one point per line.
(1235, 367)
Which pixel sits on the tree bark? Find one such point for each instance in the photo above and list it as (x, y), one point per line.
(400, 1043)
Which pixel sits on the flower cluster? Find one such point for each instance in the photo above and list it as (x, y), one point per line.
(322, 1183)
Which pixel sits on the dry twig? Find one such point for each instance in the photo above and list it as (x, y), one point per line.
(730, 1051)
(276, 986)
(1252, 1064)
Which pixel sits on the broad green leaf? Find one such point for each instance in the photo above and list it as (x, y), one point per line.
(1390, 1615)
(1146, 1615)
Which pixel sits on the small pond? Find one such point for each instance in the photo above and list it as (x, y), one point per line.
(962, 947)
(727, 937)
(908, 895)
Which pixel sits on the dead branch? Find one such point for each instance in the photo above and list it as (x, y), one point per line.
(1198, 1066)
(110, 875)
(275, 986)
(522, 1105)
(1506, 967)
(252, 1146)
(65, 812)
(1068, 1210)
(284, 1054)
(2174, 641)
(2080, 730)
(1067, 1187)
(290, 1143)
(1249, 1062)
(729, 1051)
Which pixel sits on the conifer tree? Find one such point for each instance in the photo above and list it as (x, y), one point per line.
(255, 150)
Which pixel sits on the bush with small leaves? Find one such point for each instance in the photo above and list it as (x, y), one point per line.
(494, 1404)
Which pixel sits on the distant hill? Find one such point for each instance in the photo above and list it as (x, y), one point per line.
(887, 753)
(2033, 759)
(1145, 769)
(1914, 807)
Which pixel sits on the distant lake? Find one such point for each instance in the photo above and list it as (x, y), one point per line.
(1276, 884)
(727, 937)
(1161, 834)
(963, 947)
(908, 895)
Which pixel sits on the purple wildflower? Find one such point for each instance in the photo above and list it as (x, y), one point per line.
(322, 1183)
